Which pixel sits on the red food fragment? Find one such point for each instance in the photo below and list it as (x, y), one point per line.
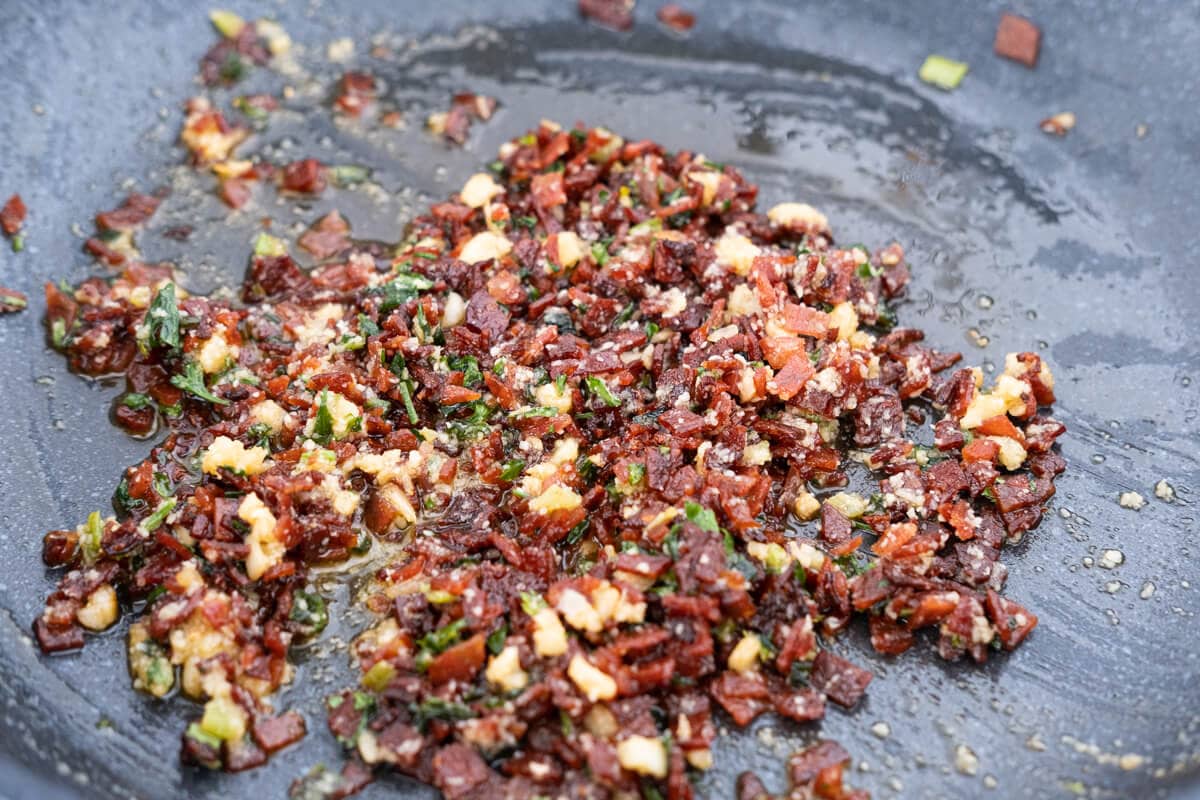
(358, 91)
(459, 772)
(12, 215)
(676, 17)
(133, 211)
(275, 733)
(842, 682)
(327, 237)
(306, 176)
(1018, 39)
(615, 14)
(459, 662)
(234, 193)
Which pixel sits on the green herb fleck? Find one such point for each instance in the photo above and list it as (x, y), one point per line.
(512, 469)
(192, 382)
(700, 516)
(598, 388)
(135, 401)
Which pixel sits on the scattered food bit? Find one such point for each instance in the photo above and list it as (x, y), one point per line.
(358, 91)
(1148, 590)
(676, 18)
(1018, 39)
(340, 50)
(815, 771)
(615, 14)
(1112, 587)
(1164, 491)
(977, 338)
(256, 107)
(455, 124)
(1131, 761)
(942, 72)
(1059, 124)
(990, 782)
(239, 49)
(965, 760)
(881, 730)
(12, 301)
(12, 217)
(1141, 130)
(1035, 744)
(113, 243)
(1111, 559)
(1132, 500)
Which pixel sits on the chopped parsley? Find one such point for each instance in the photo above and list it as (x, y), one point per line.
(162, 320)
(598, 388)
(192, 382)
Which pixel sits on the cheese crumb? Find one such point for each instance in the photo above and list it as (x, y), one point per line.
(965, 760)
(806, 506)
(845, 319)
(556, 498)
(216, 354)
(265, 550)
(570, 249)
(504, 670)
(1164, 491)
(485, 246)
(800, 216)
(591, 680)
(269, 413)
(736, 252)
(1132, 501)
(744, 657)
(548, 395)
(578, 612)
(643, 755)
(234, 456)
(100, 611)
(549, 635)
(479, 190)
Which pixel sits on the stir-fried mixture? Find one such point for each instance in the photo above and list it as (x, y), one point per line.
(601, 415)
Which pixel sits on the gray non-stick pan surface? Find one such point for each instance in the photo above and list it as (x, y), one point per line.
(1081, 248)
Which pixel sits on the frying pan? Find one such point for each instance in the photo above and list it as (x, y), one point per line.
(1081, 248)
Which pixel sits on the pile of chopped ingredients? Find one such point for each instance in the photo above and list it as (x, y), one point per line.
(601, 415)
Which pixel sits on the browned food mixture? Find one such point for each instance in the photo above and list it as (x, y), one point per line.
(600, 416)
